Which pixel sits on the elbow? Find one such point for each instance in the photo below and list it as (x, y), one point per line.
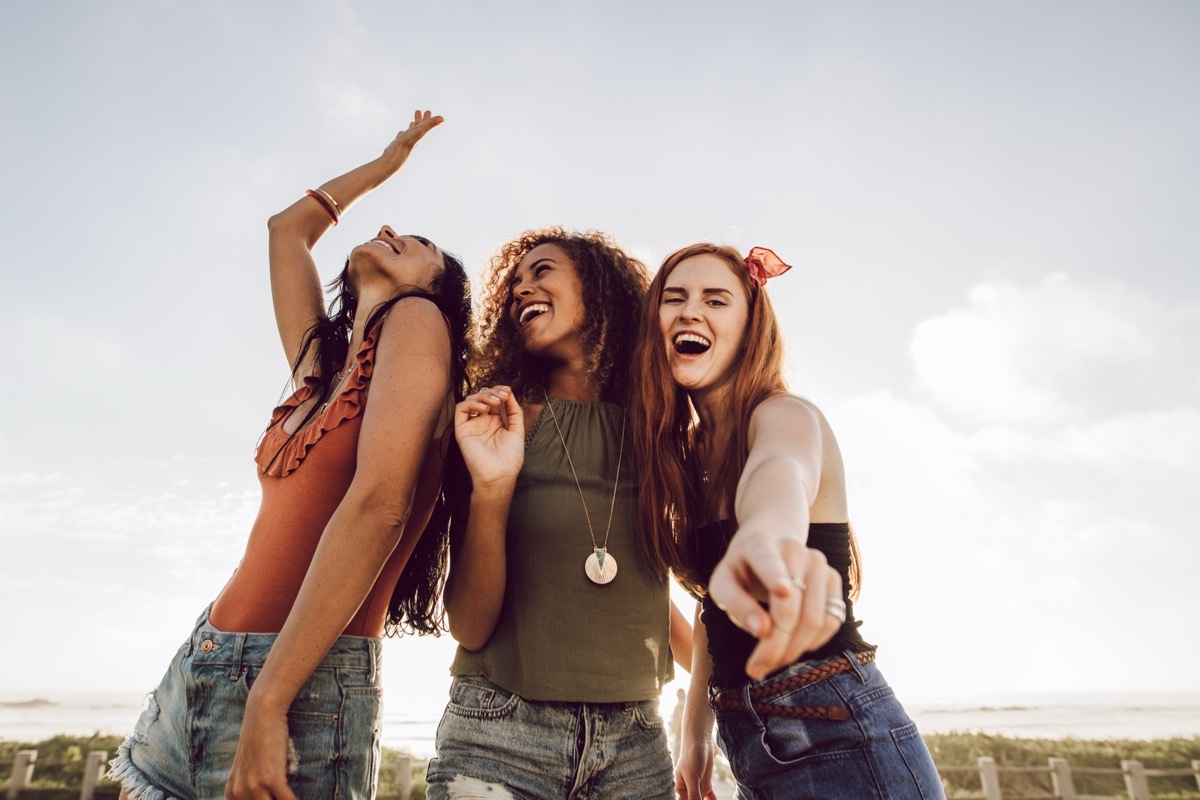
(472, 640)
(277, 223)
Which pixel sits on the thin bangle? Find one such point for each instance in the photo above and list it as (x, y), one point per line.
(332, 202)
(326, 204)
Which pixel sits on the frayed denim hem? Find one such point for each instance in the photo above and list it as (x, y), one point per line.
(137, 787)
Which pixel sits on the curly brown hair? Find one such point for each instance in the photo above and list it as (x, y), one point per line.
(613, 283)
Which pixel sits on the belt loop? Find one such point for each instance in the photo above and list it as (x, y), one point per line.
(375, 647)
(745, 690)
(239, 643)
(859, 671)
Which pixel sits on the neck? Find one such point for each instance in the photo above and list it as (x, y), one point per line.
(570, 382)
(368, 302)
(711, 406)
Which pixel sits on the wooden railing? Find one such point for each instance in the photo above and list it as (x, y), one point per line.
(1060, 773)
(1062, 779)
(22, 772)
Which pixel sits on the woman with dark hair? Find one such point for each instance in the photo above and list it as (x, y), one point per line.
(565, 639)
(276, 693)
(746, 505)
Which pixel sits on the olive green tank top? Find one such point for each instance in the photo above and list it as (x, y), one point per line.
(561, 637)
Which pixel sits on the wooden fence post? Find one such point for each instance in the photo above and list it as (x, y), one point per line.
(1060, 778)
(989, 778)
(22, 772)
(1135, 780)
(404, 776)
(96, 762)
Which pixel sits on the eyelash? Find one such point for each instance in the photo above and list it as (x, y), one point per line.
(715, 302)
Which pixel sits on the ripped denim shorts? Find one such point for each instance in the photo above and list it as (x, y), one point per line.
(184, 742)
(496, 744)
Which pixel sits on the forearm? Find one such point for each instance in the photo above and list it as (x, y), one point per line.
(697, 713)
(475, 587)
(308, 219)
(774, 495)
(353, 550)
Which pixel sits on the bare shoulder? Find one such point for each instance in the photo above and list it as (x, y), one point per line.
(787, 409)
(414, 324)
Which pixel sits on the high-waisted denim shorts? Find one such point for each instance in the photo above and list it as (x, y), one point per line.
(875, 754)
(493, 743)
(184, 742)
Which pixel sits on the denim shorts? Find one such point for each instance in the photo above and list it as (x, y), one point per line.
(184, 742)
(875, 754)
(493, 743)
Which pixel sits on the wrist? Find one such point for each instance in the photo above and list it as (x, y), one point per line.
(493, 490)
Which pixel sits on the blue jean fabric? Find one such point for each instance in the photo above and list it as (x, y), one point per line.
(184, 742)
(877, 753)
(492, 743)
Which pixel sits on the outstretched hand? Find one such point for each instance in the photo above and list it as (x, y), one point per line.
(399, 149)
(798, 586)
(490, 429)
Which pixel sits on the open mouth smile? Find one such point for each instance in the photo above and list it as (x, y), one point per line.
(530, 312)
(691, 344)
(384, 243)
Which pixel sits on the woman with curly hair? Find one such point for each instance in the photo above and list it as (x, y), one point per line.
(564, 635)
(276, 693)
(747, 504)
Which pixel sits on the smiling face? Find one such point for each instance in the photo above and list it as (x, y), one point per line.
(702, 316)
(546, 304)
(400, 260)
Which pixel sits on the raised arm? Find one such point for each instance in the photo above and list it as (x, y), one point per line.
(792, 460)
(408, 399)
(295, 284)
(490, 429)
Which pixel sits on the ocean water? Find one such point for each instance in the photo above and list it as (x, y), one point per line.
(33, 717)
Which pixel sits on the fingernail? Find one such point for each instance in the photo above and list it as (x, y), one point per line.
(754, 623)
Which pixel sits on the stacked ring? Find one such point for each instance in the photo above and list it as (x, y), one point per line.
(798, 582)
(836, 608)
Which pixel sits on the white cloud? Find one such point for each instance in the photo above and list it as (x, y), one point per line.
(1004, 511)
(1042, 354)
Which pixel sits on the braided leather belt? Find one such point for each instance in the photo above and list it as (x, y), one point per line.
(732, 700)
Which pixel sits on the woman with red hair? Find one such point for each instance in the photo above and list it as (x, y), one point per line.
(746, 505)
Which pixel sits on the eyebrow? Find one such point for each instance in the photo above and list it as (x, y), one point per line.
(712, 290)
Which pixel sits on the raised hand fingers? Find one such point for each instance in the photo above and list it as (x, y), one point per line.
(487, 401)
(423, 121)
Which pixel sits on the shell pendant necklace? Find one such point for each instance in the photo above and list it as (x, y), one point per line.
(600, 567)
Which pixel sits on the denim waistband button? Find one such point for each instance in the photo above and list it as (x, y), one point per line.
(206, 646)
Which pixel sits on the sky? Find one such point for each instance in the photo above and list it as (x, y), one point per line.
(992, 209)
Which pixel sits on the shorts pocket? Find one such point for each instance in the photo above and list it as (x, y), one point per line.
(477, 698)
(919, 763)
(647, 715)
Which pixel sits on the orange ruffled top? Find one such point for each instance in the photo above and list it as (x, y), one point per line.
(304, 477)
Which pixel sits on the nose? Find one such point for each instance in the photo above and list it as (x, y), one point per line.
(522, 289)
(690, 309)
(387, 231)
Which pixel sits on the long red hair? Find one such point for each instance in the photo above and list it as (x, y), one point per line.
(670, 503)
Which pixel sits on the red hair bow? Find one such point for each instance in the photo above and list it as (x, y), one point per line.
(762, 263)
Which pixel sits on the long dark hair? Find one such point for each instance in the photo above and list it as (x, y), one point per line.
(416, 605)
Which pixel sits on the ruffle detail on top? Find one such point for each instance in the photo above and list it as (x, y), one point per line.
(279, 454)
